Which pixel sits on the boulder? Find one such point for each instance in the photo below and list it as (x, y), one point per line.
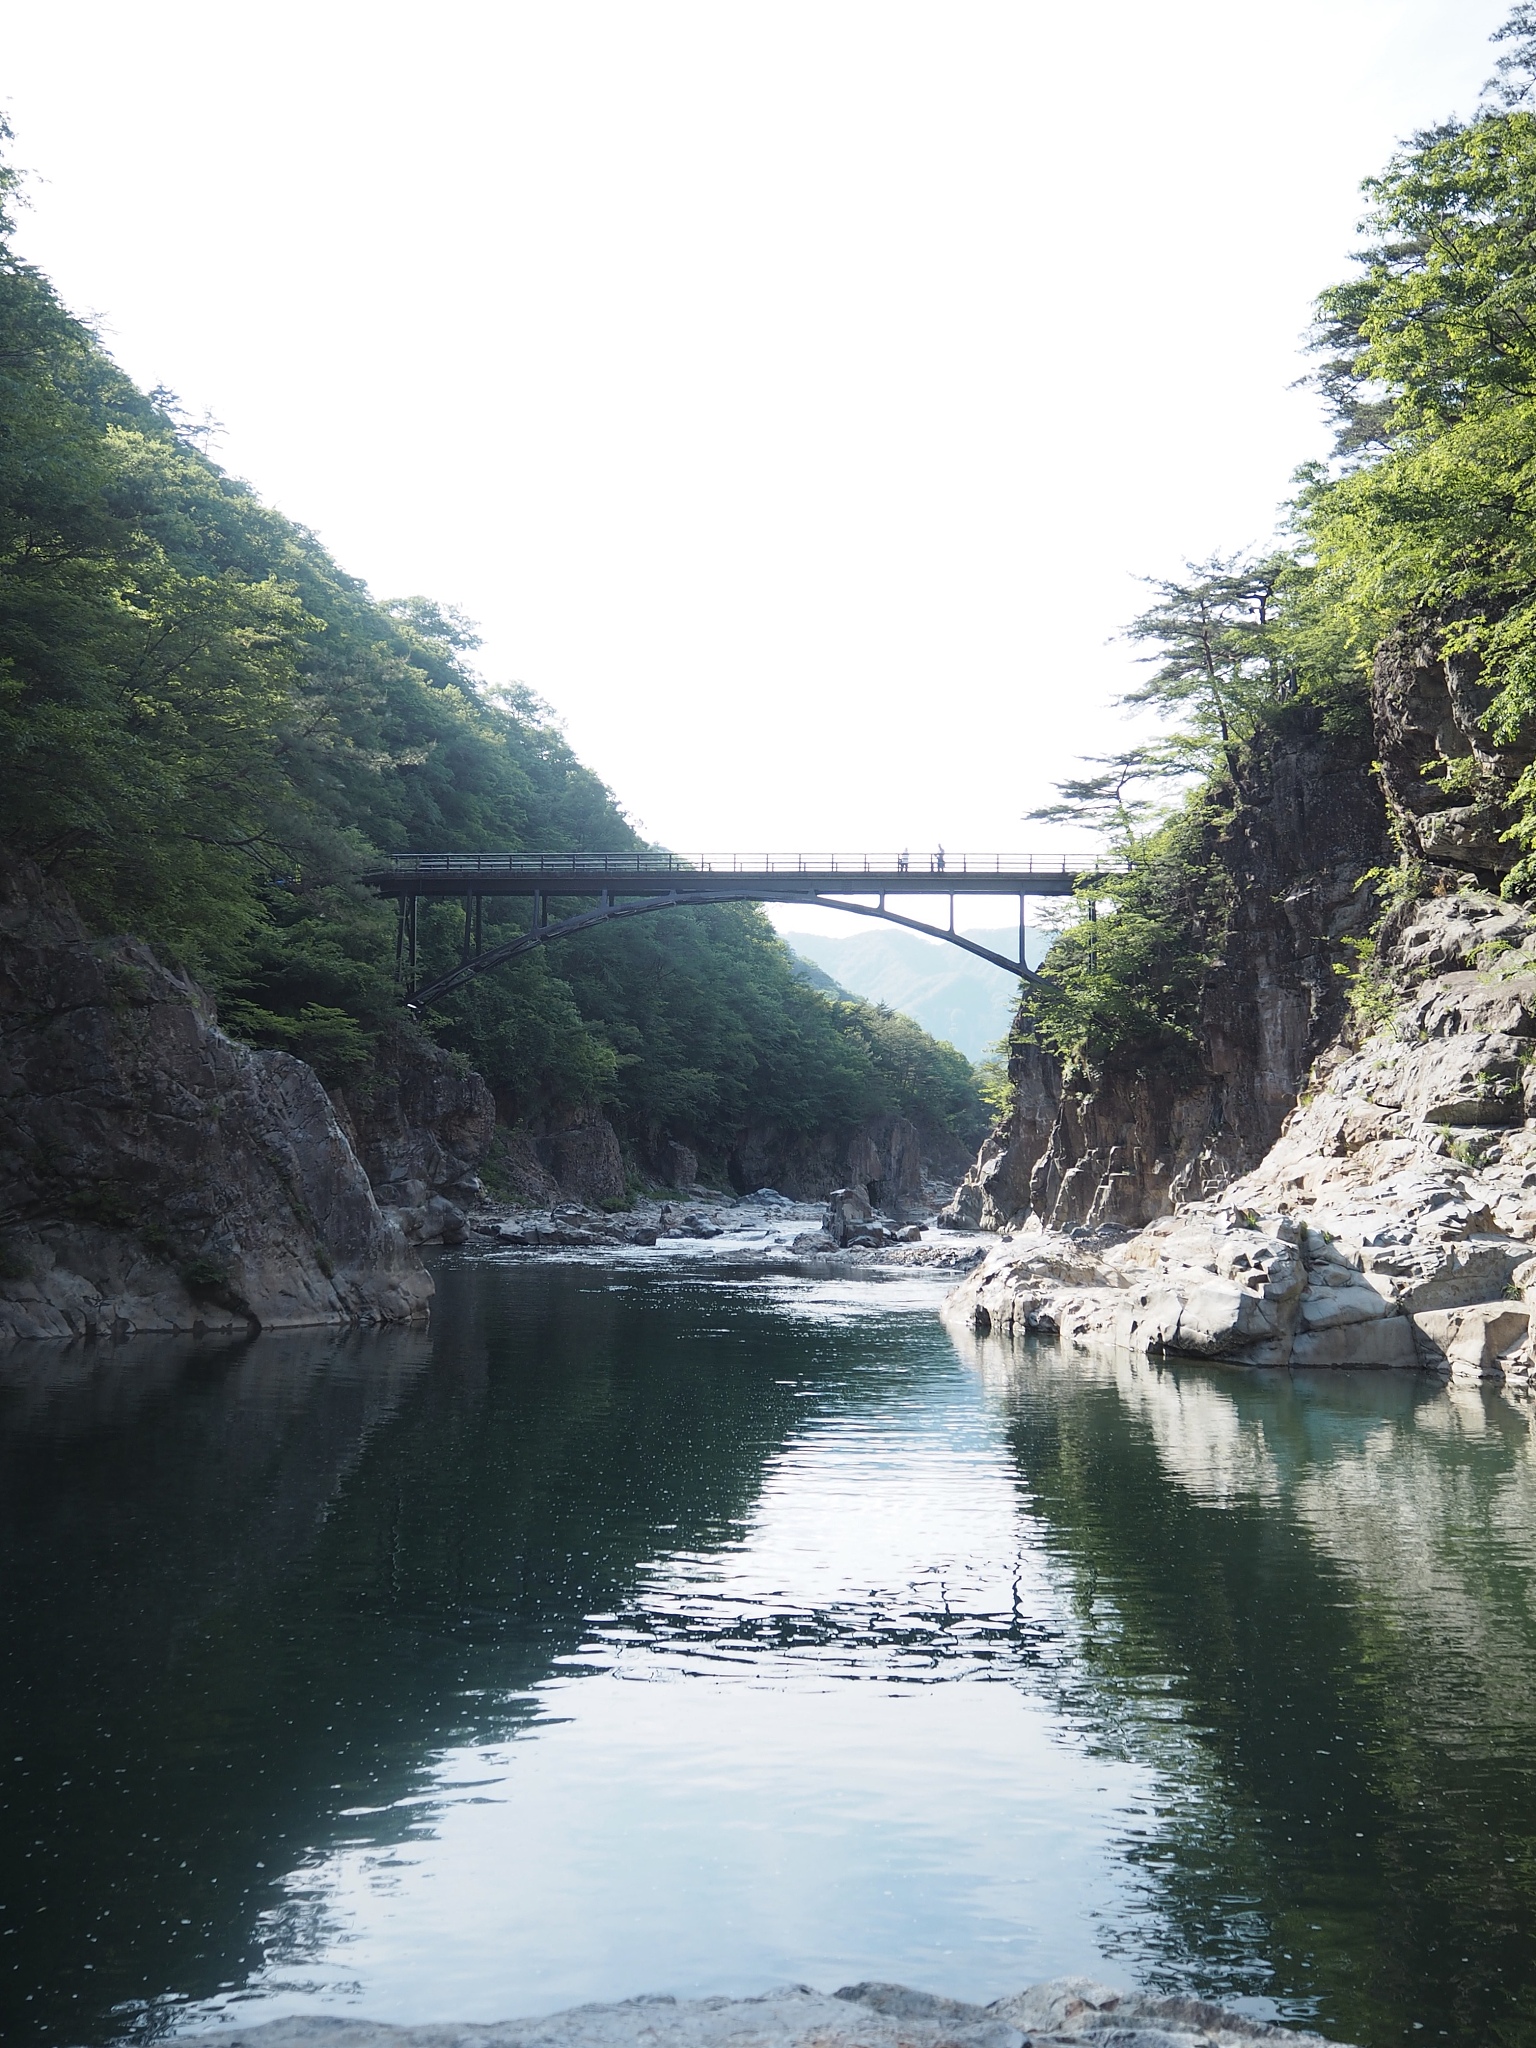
(848, 1213)
(1334, 1302)
(1445, 934)
(1216, 1286)
(1224, 1320)
(1434, 1269)
(1470, 1078)
(1465, 836)
(1464, 1002)
(689, 1224)
(1486, 1340)
(434, 1220)
(963, 1211)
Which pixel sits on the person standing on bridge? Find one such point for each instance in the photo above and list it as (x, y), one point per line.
(901, 862)
(938, 862)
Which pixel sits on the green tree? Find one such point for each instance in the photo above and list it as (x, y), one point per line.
(209, 732)
(1220, 648)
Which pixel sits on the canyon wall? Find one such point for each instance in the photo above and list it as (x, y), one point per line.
(1126, 1143)
(156, 1174)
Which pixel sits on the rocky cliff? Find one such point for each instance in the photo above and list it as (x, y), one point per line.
(1448, 786)
(421, 1125)
(1291, 842)
(885, 1157)
(1393, 1223)
(157, 1175)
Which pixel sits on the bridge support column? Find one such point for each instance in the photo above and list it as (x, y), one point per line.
(470, 903)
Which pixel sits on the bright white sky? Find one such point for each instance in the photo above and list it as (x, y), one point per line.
(792, 392)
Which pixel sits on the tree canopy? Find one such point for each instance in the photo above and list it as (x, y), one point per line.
(209, 731)
(1422, 524)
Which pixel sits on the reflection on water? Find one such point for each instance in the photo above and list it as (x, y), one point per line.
(644, 1632)
(1307, 1601)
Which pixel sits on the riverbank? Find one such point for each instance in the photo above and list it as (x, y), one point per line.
(762, 1232)
(1393, 1222)
(1066, 2010)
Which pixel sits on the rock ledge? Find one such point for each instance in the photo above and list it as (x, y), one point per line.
(1068, 2009)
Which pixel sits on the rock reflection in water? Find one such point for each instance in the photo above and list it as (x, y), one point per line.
(692, 1633)
(1306, 1600)
(151, 1495)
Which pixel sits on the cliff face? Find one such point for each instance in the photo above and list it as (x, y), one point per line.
(1126, 1144)
(155, 1174)
(885, 1157)
(421, 1127)
(1428, 708)
(1391, 1224)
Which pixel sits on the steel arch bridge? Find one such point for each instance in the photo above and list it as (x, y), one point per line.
(610, 886)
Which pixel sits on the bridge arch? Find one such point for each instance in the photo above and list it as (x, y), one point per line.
(634, 884)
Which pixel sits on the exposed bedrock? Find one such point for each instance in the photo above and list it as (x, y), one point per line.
(421, 1124)
(156, 1174)
(575, 1160)
(1393, 1221)
(1448, 785)
(1128, 1143)
(1070, 2009)
(884, 1157)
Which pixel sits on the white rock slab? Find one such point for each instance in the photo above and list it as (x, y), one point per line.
(1066, 2010)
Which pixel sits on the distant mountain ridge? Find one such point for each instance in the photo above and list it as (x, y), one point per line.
(951, 993)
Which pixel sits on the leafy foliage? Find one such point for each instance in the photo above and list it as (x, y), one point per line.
(1237, 650)
(208, 731)
(1425, 523)
(1126, 979)
(1429, 519)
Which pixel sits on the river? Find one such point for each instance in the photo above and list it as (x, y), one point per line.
(650, 1628)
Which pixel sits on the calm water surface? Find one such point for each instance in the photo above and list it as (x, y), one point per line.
(639, 1631)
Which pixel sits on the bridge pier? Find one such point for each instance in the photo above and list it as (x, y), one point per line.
(405, 942)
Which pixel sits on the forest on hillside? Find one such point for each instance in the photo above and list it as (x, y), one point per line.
(1417, 536)
(208, 731)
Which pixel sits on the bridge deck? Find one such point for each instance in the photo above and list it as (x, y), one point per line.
(768, 877)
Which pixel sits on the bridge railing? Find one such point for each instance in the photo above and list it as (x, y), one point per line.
(644, 861)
